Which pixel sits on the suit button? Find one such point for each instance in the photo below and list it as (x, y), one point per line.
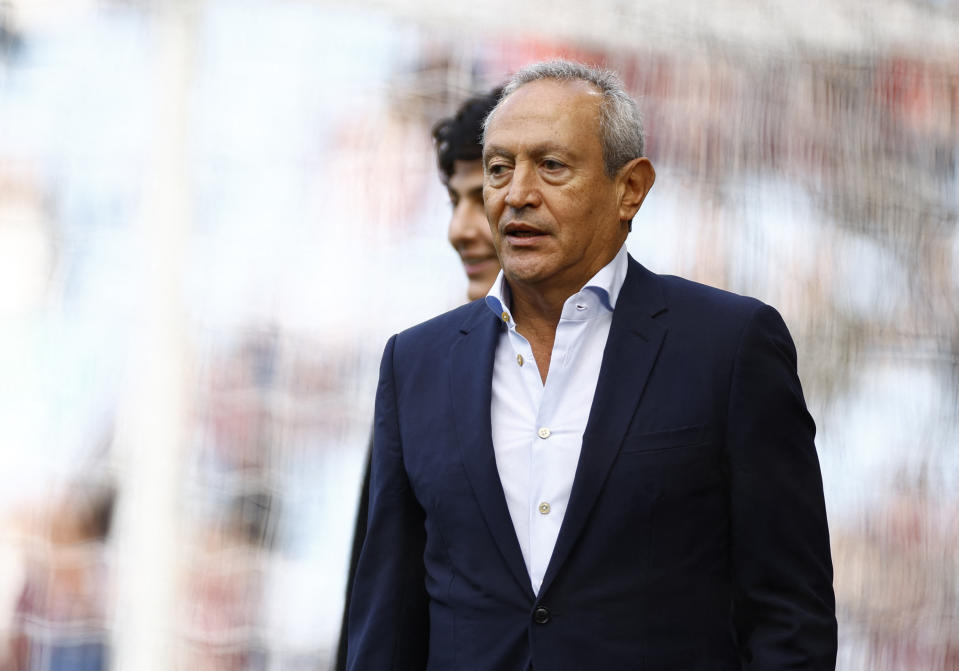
(541, 615)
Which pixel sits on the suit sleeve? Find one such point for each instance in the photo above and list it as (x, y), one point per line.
(784, 607)
(389, 624)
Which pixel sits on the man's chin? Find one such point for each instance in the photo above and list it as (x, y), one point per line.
(524, 273)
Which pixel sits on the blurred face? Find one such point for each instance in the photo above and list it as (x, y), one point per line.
(555, 215)
(469, 231)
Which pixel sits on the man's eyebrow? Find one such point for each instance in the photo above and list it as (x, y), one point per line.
(536, 151)
(495, 150)
(540, 150)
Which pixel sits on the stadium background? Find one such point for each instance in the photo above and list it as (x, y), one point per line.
(214, 212)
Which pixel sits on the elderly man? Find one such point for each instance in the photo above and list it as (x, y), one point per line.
(595, 467)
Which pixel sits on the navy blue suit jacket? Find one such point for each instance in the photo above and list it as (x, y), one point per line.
(695, 536)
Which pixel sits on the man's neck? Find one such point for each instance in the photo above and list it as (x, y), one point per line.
(537, 309)
(540, 306)
(537, 314)
(530, 305)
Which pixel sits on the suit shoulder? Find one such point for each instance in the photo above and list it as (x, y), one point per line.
(704, 316)
(682, 294)
(722, 314)
(443, 327)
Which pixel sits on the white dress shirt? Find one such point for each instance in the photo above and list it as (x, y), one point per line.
(538, 428)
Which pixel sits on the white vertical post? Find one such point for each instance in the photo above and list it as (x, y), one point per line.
(154, 413)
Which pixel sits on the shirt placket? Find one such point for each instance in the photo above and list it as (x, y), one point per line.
(528, 373)
(546, 511)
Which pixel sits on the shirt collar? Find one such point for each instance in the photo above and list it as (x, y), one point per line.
(606, 284)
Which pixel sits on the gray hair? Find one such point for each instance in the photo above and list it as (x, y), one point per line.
(620, 122)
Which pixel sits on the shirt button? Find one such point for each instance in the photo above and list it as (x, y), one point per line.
(544, 508)
(505, 316)
(543, 433)
(519, 359)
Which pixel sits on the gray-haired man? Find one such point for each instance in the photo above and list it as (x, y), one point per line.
(594, 467)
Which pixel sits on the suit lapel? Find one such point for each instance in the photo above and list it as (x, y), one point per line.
(635, 339)
(471, 381)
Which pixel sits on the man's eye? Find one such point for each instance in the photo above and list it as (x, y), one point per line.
(550, 164)
(496, 169)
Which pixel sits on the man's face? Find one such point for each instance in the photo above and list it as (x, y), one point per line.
(554, 213)
(469, 232)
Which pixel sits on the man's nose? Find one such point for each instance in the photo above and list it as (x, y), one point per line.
(523, 187)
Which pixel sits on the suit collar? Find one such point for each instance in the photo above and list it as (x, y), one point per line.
(634, 342)
(471, 379)
(643, 291)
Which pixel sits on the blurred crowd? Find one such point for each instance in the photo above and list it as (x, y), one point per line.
(824, 182)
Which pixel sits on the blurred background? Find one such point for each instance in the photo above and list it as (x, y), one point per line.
(213, 213)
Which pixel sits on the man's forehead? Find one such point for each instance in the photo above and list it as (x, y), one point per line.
(548, 97)
(546, 104)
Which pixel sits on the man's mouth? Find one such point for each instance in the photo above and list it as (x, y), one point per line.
(517, 230)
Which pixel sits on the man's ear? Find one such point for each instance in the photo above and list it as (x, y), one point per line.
(636, 179)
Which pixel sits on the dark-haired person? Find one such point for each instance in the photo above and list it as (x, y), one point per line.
(459, 150)
(596, 467)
